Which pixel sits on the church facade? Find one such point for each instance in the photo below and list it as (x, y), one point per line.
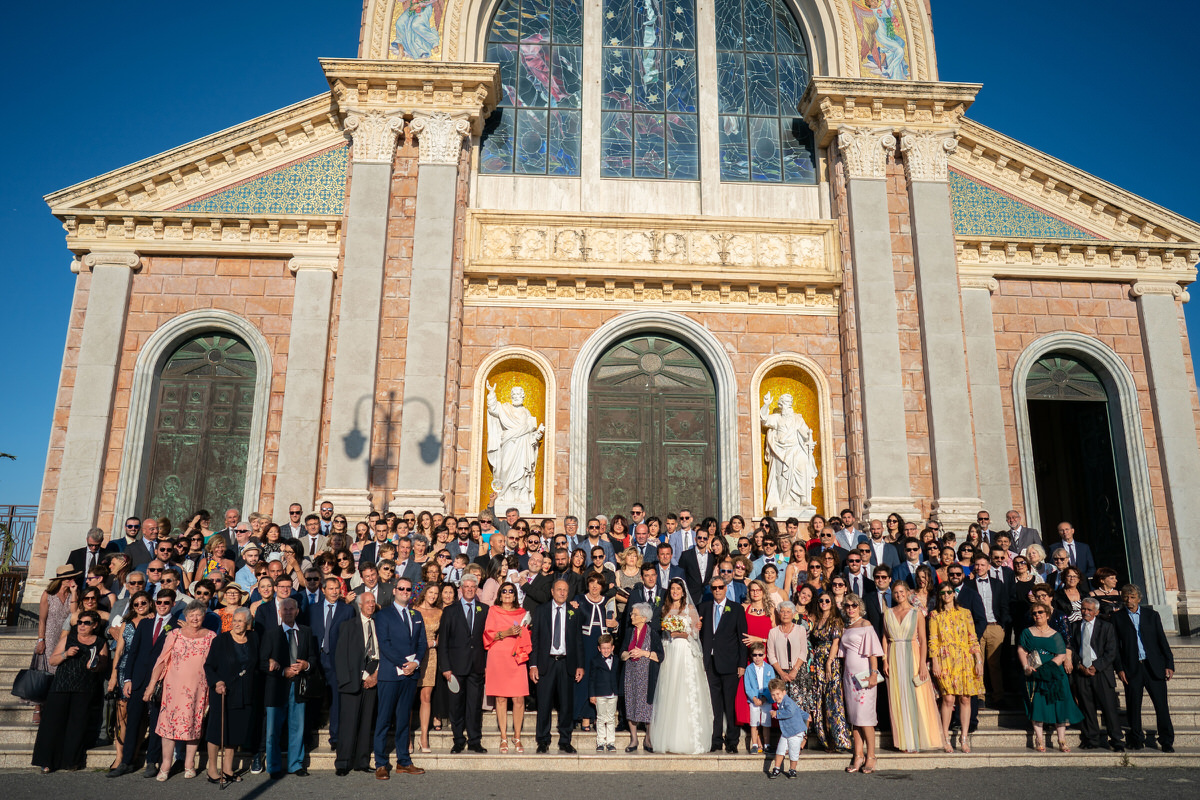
(648, 217)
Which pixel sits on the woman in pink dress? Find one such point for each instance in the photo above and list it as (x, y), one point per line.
(760, 618)
(861, 649)
(185, 690)
(506, 639)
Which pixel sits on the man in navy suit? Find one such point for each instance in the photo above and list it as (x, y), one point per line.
(144, 650)
(649, 592)
(698, 566)
(461, 655)
(667, 571)
(325, 619)
(556, 666)
(402, 647)
(1145, 663)
(906, 570)
(722, 629)
(1078, 553)
(880, 586)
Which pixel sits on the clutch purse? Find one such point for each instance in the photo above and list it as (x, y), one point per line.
(862, 680)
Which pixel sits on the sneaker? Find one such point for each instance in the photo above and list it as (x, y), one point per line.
(256, 766)
(774, 773)
(599, 748)
(610, 747)
(791, 773)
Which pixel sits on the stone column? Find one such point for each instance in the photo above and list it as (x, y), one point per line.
(419, 483)
(81, 476)
(1171, 398)
(991, 449)
(865, 155)
(304, 384)
(347, 470)
(947, 401)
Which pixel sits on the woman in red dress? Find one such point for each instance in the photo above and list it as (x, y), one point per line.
(506, 639)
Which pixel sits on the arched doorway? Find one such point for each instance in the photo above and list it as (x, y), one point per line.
(1076, 470)
(652, 428)
(201, 420)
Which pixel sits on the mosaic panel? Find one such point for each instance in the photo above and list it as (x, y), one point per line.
(312, 185)
(982, 210)
(882, 46)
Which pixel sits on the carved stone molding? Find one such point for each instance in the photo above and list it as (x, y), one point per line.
(374, 135)
(131, 261)
(829, 104)
(1141, 288)
(301, 262)
(979, 282)
(440, 137)
(927, 154)
(1077, 259)
(866, 152)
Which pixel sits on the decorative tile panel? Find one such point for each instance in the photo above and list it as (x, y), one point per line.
(315, 184)
(983, 210)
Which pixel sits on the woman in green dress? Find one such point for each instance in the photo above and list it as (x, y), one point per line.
(1046, 661)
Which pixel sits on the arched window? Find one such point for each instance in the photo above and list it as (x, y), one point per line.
(536, 125)
(763, 68)
(649, 125)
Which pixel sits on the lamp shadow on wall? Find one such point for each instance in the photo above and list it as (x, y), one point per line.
(356, 441)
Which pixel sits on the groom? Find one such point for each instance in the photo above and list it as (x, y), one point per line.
(722, 626)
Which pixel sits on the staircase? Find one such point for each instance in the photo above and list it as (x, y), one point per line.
(1003, 738)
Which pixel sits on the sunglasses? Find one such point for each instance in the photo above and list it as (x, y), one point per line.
(164, 602)
(137, 583)
(757, 655)
(912, 549)
(1039, 613)
(154, 569)
(725, 571)
(443, 555)
(403, 589)
(947, 591)
(507, 591)
(293, 513)
(132, 527)
(824, 601)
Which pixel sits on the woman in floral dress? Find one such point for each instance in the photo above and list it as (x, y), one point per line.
(957, 661)
(185, 689)
(829, 724)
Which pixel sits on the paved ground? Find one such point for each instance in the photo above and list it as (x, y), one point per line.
(1113, 784)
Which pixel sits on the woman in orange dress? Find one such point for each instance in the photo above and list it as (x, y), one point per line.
(506, 639)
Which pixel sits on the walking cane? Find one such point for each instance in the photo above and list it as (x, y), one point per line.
(226, 769)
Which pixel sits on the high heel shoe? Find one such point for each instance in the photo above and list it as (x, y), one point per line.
(518, 746)
(1062, 744)
(965, 743)
(855, 766)
(504, 746)
(869, 766)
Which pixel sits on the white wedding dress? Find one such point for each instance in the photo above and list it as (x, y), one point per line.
(681, 720)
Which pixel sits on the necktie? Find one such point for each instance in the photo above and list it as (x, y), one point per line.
(157, 630)
(293, 646)
(1086, 635)
(1071, 552)
(407, 620)
(328, 625)
(716, 616)
(371, 640)
(855, 587)
(556, 635)
(471, 616)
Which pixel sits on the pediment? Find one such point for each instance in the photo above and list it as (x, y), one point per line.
(291, 161)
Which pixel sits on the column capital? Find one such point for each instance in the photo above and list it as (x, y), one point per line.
(927, 154)
(979, 282)
(308, 262)
(866, 152)
(439, 136)
(1142, 288)
(128, 259)
(829, 104)
(374, 133)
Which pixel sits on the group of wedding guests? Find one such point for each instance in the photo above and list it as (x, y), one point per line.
(686, 634)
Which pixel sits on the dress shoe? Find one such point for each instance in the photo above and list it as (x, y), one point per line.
(543, 748)
(341, 772)
(1168, 748)
(256, 765)
(610, 748)
(119, 770)
(1086, 746)
(716, 748)
(477, 748)
(301, 773)
(1136, 746)
(566, 747)
(410, 769)
(150, 771)
(1117, 747)
(368, 770)
(458, 748)
(648, 748)
(276, 776)
(731, 749)
(383, 773)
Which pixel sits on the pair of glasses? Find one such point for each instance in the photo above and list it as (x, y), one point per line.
(154, 569)
(757, 655)
(726, 571)
(912, 549)
(87, 622)
(137, 583)
(947, 591)
(507, 591)
(164, 602)
(141, 604)
(593, 527)
(851, 605)
(403, 589)
(293, 513)
(444, 555)
(1039, 613)
(824, 601)
(132, 527)
(853, 560)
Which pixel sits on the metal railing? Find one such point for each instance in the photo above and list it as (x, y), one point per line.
(16, 538)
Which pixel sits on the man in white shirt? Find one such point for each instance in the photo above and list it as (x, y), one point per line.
(1093, 645)
(294, 527)
(313, 540)
(682, 539)
(882, 552)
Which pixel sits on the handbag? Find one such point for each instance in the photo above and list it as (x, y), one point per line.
(310, 685)
(33, 684)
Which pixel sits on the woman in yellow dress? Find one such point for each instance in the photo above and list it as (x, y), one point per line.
(916, 724)
(957, 662)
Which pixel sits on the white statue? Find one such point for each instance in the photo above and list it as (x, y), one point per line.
(513, 437)
(791, 464)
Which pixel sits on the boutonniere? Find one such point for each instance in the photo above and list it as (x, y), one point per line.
(724, 608)
(570, 614)
(479, 608)
(657, 600)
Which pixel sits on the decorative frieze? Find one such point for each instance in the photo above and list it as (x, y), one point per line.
(927, 154)
(374, 135)
(1075, 259)
(830, 104)
(440, 137)
(866, 152)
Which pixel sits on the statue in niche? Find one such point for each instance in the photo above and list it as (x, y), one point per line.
(791, 461)
(513, 438)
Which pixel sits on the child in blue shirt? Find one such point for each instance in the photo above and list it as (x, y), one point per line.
(793, 729)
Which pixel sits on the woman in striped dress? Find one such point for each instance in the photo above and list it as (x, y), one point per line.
(916, 724)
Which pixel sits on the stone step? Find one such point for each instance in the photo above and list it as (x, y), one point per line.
(19, 756)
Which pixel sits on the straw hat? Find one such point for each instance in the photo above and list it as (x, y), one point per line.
(66, 571)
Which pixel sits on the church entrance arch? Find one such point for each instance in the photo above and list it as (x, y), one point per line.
(652, 428)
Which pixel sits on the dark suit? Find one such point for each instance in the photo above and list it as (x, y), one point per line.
(470, 547)
(556, 674)
(460, 651)
(1084, 560)
(242, 693)
(78, 560)
(139, 555)
(994, 634)
(874, 612)
(144, 651)
(724, 654)
(891, 557)
(667, 574)
(327, 642)
(1099, 690)
(537, 591)
(1148, 674)
(866, 583)
(369, 553)
(696, 578)
(397, 646)
(907, 573)
(266, 616)
(356, 706)
(284, 706)
(640, 594)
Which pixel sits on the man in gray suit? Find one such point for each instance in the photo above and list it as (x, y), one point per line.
(405, 566)
(1093, 647)
(1022, 536)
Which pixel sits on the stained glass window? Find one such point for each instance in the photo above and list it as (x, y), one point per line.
(535, 127)
(763, 68)
(648, 124)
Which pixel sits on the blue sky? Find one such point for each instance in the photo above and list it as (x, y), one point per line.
(137, 78)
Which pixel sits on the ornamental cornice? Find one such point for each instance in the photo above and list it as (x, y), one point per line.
(1074, 194)
(94, 234)
(829, 104)
(440, 137)
(632, 246)
(198, 168)
(866, 152)
(1077, 259)
(926, 154)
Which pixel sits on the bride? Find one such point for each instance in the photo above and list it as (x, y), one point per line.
(681, 719)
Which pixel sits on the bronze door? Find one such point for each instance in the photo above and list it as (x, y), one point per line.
(651, 429)
(200, 441)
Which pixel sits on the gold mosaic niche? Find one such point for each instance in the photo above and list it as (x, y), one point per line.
(507, 374)
(791, 379)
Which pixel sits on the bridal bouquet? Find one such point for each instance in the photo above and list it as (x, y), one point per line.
(673, 624)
